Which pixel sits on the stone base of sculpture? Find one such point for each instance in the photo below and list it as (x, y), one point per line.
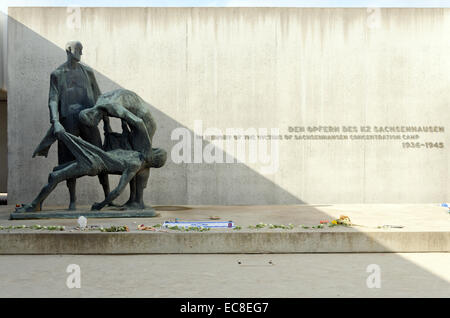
(110, 212)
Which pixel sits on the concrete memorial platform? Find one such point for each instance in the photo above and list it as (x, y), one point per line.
(376, 228)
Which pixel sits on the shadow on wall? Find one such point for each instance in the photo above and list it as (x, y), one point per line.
(34, 59)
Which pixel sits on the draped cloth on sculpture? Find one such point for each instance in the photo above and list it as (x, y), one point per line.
(44, 146)
(118, 147)
(86, 154)
(92, 158)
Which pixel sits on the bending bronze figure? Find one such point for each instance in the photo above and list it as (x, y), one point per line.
(129, 154)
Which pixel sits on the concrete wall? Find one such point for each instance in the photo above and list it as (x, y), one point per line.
(3, 62)
(3, 107)
(252, 68)
(3, 148)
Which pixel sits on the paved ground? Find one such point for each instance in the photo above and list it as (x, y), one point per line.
(414, 217)
(289, 275)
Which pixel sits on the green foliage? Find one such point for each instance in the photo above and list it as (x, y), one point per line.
(261, 225)
(34, 227)
(188, 229)
(113, 228)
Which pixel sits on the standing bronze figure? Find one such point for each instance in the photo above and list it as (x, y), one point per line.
(73, 88)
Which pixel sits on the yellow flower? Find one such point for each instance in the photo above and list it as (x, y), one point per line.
(334, 222)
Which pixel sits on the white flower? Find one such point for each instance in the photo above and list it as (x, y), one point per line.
(82, 222)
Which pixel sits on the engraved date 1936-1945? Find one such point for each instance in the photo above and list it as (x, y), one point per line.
(418, 145)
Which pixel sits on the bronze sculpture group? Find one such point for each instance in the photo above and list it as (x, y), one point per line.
(76, 107)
